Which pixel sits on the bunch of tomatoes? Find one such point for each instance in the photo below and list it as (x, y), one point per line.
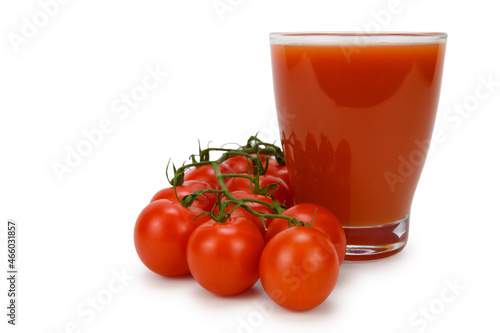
(230, 221)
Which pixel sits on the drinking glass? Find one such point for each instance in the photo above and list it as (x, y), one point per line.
(356, 113)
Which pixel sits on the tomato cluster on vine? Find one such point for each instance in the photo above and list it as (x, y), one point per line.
(232, 220)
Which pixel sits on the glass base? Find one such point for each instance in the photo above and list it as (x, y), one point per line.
(376, 242)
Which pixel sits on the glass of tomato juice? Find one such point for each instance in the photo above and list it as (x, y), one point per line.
(356, 113)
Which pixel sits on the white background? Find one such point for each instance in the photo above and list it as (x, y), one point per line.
(75, 233)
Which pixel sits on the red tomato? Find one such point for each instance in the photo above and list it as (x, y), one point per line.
(242, 164)
(206, 174)
(324, 221)
(299, 268)
(205, 202)
(240, 211)
(224, 257)
(282, 194)
(277, 170)
(282, 174)
(239, 164)
(161, 234)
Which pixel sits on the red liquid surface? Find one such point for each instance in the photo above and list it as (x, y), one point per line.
(356, 122)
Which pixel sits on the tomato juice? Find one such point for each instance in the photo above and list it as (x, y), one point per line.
(356, 119)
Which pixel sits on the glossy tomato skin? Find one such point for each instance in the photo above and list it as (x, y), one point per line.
(243, 165)
(324, 221)
(282, 174)
(239, 164)
(277, 170)
(160, 236)
(299, 268)
(224, 257)
(240, 211)
(205, 202)
(283, 194)
(206, 174)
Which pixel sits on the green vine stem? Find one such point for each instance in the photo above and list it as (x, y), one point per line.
(253, 150)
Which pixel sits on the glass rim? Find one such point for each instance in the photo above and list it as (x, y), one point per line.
(356, 37)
